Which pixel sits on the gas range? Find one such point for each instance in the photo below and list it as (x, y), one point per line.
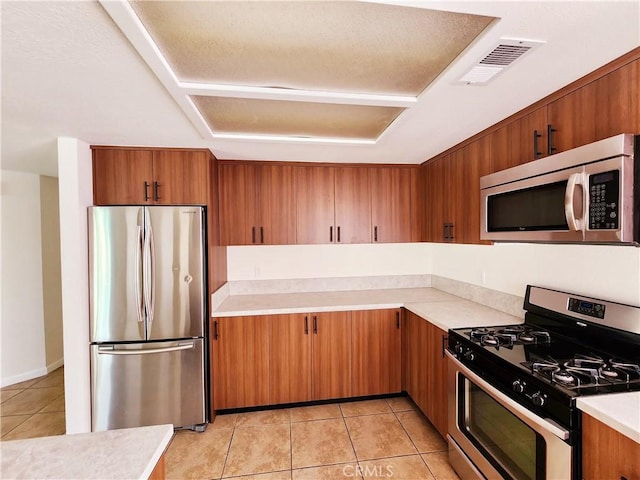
(560, 362)
(524, 379)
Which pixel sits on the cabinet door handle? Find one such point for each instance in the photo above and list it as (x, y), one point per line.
(398, 320)
(444, 341)
(550, 148)
(375, 233)
(215, 330)
(338, 234)
(253, 234)
(330, 234)
(306, 325)
(315, 324)
(261, 234)
(536, 152)
(146, 191)
(156, 191)
(451, 236)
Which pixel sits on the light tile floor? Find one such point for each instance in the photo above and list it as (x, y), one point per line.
(361, 440)
(34, 408)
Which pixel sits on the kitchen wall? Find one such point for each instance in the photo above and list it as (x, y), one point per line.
(51, 280)
(326, 261)
(76, 194)
(609, 272)
(22, 318)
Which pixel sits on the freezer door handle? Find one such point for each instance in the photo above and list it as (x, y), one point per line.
(110, 350)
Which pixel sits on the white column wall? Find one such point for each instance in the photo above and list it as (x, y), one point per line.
(22, 354)
(76, 194)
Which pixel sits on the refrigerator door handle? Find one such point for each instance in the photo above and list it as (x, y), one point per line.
(152, 275)
(143, 351)
(149, 284)
(139, 267)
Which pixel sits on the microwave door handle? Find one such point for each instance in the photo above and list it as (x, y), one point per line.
(574, 223)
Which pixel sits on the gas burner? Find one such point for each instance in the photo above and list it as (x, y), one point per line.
(534, 336)
(478, 333)
(491, 340)
(564, 377)
(512, 330)
(609, 372)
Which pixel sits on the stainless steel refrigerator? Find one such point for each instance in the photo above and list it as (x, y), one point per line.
(148, 313)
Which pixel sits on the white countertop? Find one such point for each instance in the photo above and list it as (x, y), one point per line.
(621, 411)
(115, 454)
(443, 309)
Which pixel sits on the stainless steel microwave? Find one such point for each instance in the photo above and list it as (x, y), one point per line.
(588, 194)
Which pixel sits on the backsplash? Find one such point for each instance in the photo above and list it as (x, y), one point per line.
(505, 302)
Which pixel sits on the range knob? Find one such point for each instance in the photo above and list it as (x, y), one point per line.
(458, 348)
(518, 386)
(538, 399)
(469, 355)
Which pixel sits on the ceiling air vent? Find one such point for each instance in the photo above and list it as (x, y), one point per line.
(498, 59)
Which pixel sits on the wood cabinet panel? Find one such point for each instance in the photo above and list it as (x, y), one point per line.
(331, 355)
(426, 369)
(237, 204)
(240, 361)
(180, 177)
(606, 453)
(437, 378)
(435, 191)
(391, 213)
(514, 144)
(603, 108)
(352, 205)
(119, 177)
(276, 205)
(289, 358)
(376, 356)
(474, 163)
(315, 204)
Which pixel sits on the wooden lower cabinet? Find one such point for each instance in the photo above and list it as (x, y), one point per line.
(606, 453)
(376, 358)
(426, 369)
(289, 358)
(331, 355)
(240, 357)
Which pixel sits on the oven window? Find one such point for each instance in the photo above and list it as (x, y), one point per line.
(535, 208)
(501, 434)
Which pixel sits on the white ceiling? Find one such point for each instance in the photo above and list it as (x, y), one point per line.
(67, 70)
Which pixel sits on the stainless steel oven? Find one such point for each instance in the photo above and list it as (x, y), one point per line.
(493, 436)
(588, 194)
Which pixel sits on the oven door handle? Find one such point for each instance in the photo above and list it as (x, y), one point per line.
(542, 423)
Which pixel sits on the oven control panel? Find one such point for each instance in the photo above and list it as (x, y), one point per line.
(584, 307)
(604, 207)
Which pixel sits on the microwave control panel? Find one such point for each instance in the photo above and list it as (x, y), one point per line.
(604, 208)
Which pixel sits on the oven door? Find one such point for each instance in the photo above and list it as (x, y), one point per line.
(493, 436)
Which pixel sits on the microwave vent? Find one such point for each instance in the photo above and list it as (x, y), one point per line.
(498, 59)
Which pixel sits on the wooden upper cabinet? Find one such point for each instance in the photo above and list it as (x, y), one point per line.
(376, 355)
(315, 204)
(521, 141)
(391, 205)
(256, 204)
(352, 205)
(331, 355)
(122, 177)
(435, 198)
(153, 177)
(603, 108)
(181, 177)
(289, 358)
(237, 193)
(276, 220)
(473, 163)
